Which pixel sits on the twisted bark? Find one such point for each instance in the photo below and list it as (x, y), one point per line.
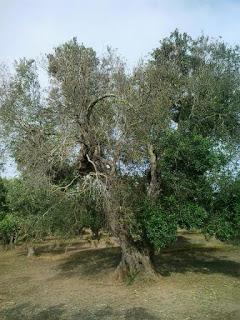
(153, 188)
(136, 257)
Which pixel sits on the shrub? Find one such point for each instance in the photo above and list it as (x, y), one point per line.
(9, 228)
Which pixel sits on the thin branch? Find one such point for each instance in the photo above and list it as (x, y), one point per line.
(97, 173)
(93, 103)
(89, 160)
(68, 185)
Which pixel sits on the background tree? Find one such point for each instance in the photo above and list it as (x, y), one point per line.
(224, 222)
(186, 129)
(3, 196)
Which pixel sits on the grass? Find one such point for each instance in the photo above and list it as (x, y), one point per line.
(197, 280)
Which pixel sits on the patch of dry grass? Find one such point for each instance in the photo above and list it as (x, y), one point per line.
(197, 280)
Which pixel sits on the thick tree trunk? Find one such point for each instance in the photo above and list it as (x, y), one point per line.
(134, 262)
(135, 259)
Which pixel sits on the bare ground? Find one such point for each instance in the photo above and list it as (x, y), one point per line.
(197, 280)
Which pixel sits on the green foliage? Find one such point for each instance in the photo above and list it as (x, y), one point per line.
(177, 114)
(187, 169)
(191, 216)
(159, 226)
(41, 211)
(204, 77)
(224, 221)
(189, 153)
(26, 199)
(224, 226)
(3, 195)
(93, 218)
(9, 227)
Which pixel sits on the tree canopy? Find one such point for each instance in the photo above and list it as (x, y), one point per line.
(142, 153)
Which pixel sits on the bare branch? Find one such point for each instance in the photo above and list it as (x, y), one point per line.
(69, 184)
(89, 160)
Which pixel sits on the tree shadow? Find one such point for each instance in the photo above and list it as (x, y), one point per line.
(26, 311)
(57, 248)
(230, 315)
(90, 262)
(181, 258)
(108, 313)
(139, 314)
(199, 260)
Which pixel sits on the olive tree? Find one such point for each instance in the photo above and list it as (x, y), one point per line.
(74, 135)
(186, 101)
(140, 146)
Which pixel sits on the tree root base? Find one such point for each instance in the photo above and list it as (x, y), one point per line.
(132, 270)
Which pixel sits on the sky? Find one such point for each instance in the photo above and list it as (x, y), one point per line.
(31, 28)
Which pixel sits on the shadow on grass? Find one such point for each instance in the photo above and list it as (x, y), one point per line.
(181, 258)
(26, 311)
(232, 315)
(108, 313)
(90, 262)
(58, 312)
(57, 248)
(200, 260)
(60, 248)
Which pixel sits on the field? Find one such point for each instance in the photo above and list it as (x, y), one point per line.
(198, 279)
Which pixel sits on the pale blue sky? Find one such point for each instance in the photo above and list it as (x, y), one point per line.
(33, 27)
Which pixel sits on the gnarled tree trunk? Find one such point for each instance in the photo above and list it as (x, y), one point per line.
(135, 261)
(136, 258)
